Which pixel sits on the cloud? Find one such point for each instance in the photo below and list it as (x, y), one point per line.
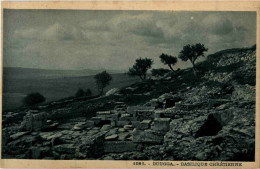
(218, 25)
(61, 32)
(114, 39)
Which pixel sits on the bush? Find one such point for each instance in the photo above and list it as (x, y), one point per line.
(33, 99)
(159, 72)
(88, 92)
(81, 93)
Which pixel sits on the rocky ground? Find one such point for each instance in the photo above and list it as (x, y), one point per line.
(176, 117)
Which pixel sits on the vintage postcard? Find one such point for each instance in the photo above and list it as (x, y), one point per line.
(126, 84)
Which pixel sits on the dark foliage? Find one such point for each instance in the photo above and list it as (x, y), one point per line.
(159, 72)
(168, 60)
(140, 68)
(192, 53)
(33, 99)
(102, 80)
(80, 93)
(88, 92)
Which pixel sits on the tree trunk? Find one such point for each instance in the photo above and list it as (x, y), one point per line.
(194, 69)
(171, 67)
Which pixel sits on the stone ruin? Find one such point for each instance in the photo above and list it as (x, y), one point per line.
(162, 125)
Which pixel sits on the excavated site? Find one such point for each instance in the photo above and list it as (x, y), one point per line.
(210, 118)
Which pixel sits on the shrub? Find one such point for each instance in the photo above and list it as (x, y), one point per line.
(80, 93)
(33, 99)
(159, 72)
(102, 80)
(88, 92)
(140, 68)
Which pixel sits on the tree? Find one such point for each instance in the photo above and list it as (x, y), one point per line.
(168, 60)
(140, 67)
(192, 52)
(33, 99)
(88, 92)
(159, 72)
(80, 93)
(102, 80)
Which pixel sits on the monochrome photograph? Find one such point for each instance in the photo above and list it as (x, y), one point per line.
(128, 85)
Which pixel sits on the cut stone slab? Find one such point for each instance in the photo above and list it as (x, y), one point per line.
(161, 124)
(120, 146)
(145, 124)
(135, 124)
(96, 120)
(121, 130)
(79, 126)
(18, 135)
(106, 127)
(92, 132)
(126, 117)
(122, 123)
(103, 113)
(112, 137)
(128, 127)
(123, 136)
(65, 148)
(66, 126)
(38, 121)
(112, 131)
(89, 123)
(148, 136)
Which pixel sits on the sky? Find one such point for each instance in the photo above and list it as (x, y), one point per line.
(88, 39)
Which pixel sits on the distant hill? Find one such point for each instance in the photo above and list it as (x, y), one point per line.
(53, 84)
(29, 73)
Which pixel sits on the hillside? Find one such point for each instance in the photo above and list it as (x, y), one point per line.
(54, 85)
(177, 117)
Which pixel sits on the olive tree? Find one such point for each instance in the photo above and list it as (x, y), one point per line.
(102, 80)
(192, 53)
(140, 68)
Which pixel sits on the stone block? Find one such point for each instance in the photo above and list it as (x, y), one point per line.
(135, 124)
(161, 124)
(39, 120)
(126, 117)
(148, 136)
(134, 109)
(106, 127)
(145, 124)
(122, 123)
(65, 148)
(152, 136)
(112, 137)
(100, 113)
(123, 136)
(17, 135)
(141, 115)
(35, 152)
(92, 146)
(128, 127)
(26, 124)
(120, 146)
(96, 120)
(114, 116)
(89, 123)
